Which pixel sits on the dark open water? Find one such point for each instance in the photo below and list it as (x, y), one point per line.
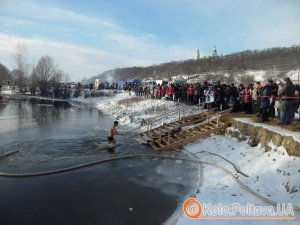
(136, 191)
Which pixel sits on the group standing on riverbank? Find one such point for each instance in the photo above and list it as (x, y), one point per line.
(264, 98)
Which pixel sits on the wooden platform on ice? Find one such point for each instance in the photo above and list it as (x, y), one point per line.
(172, 135)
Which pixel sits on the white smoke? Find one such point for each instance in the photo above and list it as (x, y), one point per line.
(110, 77)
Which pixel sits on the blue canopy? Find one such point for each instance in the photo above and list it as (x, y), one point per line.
(133, 81)
(121, 85)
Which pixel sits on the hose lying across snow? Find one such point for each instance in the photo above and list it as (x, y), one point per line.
(8, 154)
(234, 166)
(63, 170)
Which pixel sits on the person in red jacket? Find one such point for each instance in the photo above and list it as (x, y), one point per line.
(167, 92)
(190, 94)
(246, 95)
(171, 92)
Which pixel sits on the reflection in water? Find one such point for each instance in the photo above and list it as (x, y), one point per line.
(44, 114)
(22, 114)
(56, 136)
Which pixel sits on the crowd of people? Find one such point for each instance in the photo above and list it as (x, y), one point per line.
(267, 99)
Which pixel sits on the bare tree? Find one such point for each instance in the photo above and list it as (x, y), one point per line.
(4, 75)
(34, 81)
(20, 59)
(67, 78)
(45, 69)
(56, 83)
(57, 76)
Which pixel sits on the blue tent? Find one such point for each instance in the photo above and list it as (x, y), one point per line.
(133, 81)
(121, 85)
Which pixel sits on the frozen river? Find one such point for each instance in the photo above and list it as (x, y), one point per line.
(47, 136)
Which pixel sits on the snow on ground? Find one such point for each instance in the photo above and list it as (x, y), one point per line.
(272, 174)
(7, 92)
(263, 75)
(132, 110)
(259, 75)
(98, 101)
(293, 74)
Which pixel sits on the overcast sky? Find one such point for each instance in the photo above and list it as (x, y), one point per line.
(90, 36)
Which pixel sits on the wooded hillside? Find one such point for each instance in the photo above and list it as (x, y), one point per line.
(279, 59)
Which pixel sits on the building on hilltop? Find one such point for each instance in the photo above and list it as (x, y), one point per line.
(214, 53)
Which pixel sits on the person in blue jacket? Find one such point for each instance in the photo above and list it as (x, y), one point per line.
(265, 101)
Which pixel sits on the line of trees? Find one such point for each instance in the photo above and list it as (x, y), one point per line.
(43, 76)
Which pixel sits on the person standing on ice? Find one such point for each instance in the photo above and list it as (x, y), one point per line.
(112, 132)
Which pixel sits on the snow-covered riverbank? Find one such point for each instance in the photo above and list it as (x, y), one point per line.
(273, 174)
(131, 111)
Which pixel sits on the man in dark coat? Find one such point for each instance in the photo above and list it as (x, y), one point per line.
(274, 92)
(265, 101)
(197, 94)
(286, 104)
